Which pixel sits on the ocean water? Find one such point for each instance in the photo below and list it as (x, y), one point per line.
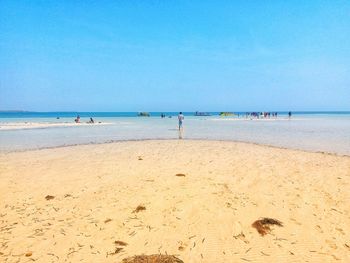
(311, 131)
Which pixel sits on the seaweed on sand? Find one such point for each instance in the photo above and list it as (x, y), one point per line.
(263, 225)
(120, 243)
(152, 259)
(49, 197)
(117, 250)
(180, 175)
(139, 208)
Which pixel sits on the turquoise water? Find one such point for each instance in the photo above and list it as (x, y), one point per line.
(53, 115)
(321, 131)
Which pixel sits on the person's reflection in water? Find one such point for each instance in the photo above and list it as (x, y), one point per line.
(181, 133)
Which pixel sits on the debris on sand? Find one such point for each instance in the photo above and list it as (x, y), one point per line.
(183, 175)
(140, 158)
(139, 208)
(241, 236)
(152, 259)
(263, 225)
(49, 197)
(28, 254)
(120, 243)
(116, 251)
(107, 220)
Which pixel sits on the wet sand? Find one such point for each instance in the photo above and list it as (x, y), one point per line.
(196, 200)
(4, 126)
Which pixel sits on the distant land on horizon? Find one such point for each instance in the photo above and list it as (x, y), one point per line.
(15, 111)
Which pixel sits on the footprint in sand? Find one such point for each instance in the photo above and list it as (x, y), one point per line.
(340, 230)
(182, 246)
(319, 229)
(295, 221)
(331, 244)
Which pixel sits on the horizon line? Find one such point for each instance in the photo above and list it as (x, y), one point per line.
(74, 111)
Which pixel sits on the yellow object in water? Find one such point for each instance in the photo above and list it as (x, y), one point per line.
(143, 114)
(224, 114)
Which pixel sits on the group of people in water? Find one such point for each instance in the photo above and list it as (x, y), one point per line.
(251, 115)
(259, 115)
(77, 120)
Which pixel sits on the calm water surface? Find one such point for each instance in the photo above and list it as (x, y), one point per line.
(313, 132)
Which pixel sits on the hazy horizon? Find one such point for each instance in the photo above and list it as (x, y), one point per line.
(184, 111)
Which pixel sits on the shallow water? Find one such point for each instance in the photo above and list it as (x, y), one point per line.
(321, 132)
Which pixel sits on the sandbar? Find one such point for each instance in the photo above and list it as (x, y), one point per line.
(193, 199)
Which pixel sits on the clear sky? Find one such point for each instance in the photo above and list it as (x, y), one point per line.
(174, 55)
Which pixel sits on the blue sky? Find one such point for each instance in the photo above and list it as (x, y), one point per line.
(174, 55)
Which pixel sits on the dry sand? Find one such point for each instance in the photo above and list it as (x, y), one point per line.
(129, 192)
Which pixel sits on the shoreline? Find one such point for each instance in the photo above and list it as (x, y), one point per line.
(331, 135)
(13, 126)
(174, 139)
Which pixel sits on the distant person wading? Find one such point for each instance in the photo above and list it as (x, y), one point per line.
(181, 118)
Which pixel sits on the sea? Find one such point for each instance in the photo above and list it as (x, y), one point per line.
(310, 131)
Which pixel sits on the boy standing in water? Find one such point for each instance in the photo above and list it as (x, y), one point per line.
(181, 118)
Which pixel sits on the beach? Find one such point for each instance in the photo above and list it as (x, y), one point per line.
(310, 132)
(194, 199)
(9, 126)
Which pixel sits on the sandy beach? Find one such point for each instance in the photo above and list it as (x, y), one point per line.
(4, 126)
(196, 200)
